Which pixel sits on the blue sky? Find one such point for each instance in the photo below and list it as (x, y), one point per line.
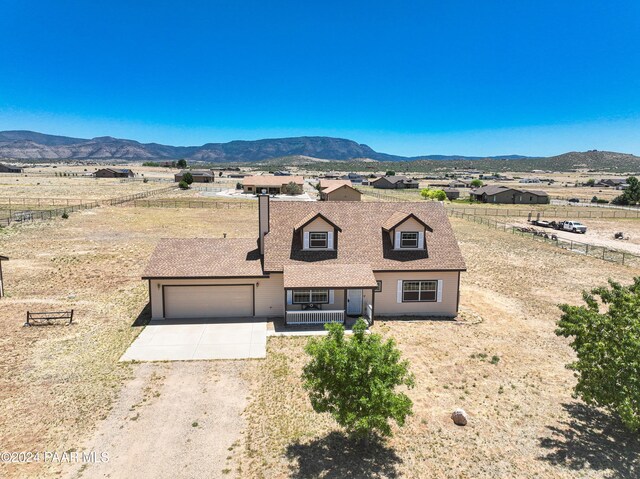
(455, 77)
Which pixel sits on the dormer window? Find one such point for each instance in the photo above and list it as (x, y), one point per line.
(409, 239)
(319, 240)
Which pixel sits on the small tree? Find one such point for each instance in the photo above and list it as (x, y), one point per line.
(183, 185)
(590, 182)
(607, 344)
(292, 188)
(187, 177)
(390, 173)
(355, 380)
(438, 195)
(182, 163)
(477, 183)
(424, 192)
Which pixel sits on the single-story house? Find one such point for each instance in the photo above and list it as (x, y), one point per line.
(114, 173)
(529, 180)
(2, 258)
(340, 192)
(315, 262)
(199, 176)
(505, 195)
(395, 182)
(271, 184)
(612, 182)
(325, 183)
(353, 177)
(452, 193)
(4, 168)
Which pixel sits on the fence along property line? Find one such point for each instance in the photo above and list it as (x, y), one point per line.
(179, 203)
(549, 212)
(34, 215)
(136, 196)
(43, 201)
(578, 247)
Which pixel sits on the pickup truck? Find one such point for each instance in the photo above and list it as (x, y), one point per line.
(574, 226)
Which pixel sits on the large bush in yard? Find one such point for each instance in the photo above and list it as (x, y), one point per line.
(355, 380)
(292, 189)
(606, 339)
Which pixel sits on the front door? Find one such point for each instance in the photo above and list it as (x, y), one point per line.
(354, 302)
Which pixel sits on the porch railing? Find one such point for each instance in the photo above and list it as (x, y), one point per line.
(315, 317)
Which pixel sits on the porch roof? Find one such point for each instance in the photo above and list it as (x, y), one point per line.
(329, 276)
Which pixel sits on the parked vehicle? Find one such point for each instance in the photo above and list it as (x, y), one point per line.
(574, 226)
(574, 200)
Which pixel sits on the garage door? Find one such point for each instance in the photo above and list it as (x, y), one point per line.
(208, 301)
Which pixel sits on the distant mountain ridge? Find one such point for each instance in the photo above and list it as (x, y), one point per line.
(29, 145)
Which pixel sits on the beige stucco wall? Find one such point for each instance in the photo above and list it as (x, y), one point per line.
(318, 225)
(269, 292)
(343, 194)
(386, 302)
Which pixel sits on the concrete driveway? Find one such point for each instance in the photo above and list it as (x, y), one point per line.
(175, 340)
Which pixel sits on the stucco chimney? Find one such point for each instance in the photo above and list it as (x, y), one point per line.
(263, 219)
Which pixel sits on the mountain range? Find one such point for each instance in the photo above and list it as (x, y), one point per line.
(29, 145)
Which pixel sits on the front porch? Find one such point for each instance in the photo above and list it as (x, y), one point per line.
(328, 293)
(321, 306)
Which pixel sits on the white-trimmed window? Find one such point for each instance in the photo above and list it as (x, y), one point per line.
(314, 296)
(319, 239)
(408, 239)
(379, 287)
(419, 291)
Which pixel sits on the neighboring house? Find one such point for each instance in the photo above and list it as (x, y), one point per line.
(324, 183)
(4, 168)
(452, 193)
(113, 173)
(530, 180)
(340, 192)
(282, 173)
(506, 195)
(395, 182)
(315, 262)
(353, 177)
(199, 176)
(612, 182)
(271, 184)
(2, 258)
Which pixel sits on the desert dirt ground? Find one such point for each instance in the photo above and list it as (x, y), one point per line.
(57, 382)
(194, 408)
(63, 389)
(32, 187)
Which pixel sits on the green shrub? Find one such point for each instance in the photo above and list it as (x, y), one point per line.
(292, 189)
(183, 185)
(355, 380)
(607, 346)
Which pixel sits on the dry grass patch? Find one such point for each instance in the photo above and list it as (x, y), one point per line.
(57, 381)
(506, 370)
(70, 187)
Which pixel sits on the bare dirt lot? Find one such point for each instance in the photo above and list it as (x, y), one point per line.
(177, 420)
(57, 381)
(62, 389)
(74, 188)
